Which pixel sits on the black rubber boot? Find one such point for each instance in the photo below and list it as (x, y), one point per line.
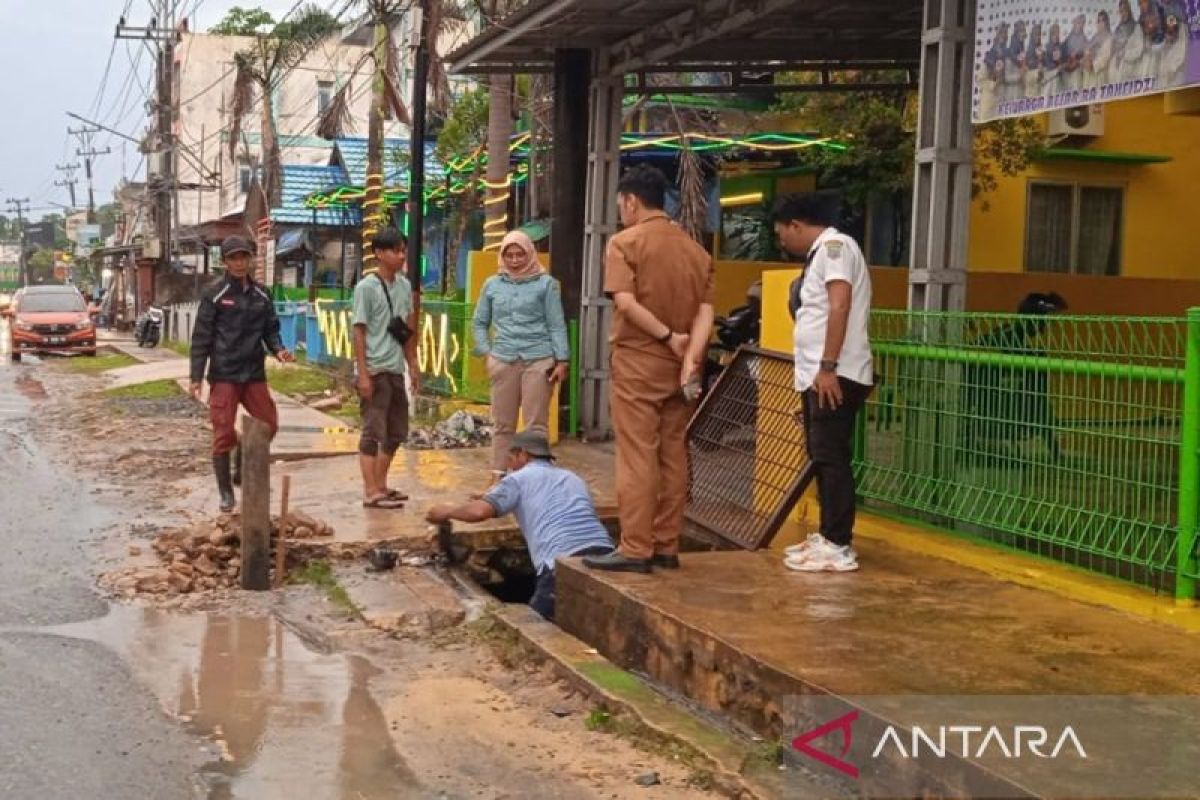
(224, 482)
(237, 465)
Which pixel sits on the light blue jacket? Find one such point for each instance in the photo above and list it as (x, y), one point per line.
(526, 318)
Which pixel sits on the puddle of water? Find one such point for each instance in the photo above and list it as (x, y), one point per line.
(30, 387)
(287, 721)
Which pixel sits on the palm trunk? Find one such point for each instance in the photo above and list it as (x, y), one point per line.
(373, 210)
(500, 128)
(271, 183)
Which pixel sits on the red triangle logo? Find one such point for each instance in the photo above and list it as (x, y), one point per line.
(845, 724)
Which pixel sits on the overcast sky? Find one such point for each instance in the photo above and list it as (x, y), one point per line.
(52, 56)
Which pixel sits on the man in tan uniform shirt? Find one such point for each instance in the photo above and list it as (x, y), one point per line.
(661, 283)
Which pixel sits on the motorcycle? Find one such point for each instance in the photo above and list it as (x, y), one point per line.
(147, 330)
(742, 326)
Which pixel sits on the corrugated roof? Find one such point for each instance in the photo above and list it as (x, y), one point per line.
(299, 181)
(352, 153)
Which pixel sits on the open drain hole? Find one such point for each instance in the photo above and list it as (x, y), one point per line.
(506, 573)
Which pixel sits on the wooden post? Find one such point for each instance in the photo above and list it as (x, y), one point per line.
(281, 542)
(256, 504)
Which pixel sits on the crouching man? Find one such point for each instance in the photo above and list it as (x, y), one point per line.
(553, 507)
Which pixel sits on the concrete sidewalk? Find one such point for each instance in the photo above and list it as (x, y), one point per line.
(303, 432)
(331, 489)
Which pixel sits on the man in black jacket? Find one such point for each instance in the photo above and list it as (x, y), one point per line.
(235, 327)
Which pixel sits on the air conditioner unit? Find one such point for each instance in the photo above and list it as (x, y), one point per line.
(1078, 121)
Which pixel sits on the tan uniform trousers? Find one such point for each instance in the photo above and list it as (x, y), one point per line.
(519, 387)
(650, 419)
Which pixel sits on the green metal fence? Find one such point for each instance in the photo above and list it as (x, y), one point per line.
(445, 351)
(1060, 436)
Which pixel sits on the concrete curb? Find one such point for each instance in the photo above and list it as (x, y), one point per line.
(731, 762)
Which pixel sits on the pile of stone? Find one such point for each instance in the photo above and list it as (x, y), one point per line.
(203, 557)
(460, 429)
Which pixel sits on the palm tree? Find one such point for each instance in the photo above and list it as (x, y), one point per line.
(263, 66)
(500, 130)
(446, 16)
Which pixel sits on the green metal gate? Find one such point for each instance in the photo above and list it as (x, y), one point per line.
(1062, 436)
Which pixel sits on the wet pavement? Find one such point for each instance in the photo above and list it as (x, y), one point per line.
(250, 710)
(128, 701)
(331, 489)
(51, 724)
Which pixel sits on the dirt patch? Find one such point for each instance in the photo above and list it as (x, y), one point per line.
(126, 441)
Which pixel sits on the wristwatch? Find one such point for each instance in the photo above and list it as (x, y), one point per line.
(829, 366)
(667, 336)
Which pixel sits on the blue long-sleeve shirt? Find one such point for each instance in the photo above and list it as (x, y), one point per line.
(525, 318)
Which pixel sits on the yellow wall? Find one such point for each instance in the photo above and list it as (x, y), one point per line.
(1158, 197)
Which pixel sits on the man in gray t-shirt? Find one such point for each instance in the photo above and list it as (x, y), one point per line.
(383, 300)
(553, 507)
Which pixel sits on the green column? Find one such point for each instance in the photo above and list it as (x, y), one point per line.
(1189, 465)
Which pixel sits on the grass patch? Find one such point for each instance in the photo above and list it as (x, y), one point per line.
(319, 574)
(599, 720)
(183, 348)
(154, 390)
(771, 753)
(351, 412)
(94, 365)
(297, 379)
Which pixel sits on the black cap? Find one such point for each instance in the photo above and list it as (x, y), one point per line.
(236, 244)
(536, 444)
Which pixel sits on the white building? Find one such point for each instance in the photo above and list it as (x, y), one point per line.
(212, 185)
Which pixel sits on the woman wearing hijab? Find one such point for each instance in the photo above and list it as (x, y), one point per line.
(1172, 65)
(1014, 69)
(527, 349)
(1099, 53)
(1035, 54)
(1126, 44)
(1056, 54)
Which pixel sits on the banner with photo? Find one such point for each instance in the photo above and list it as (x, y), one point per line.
(1039, 55)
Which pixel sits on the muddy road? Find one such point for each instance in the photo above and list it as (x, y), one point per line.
(264, 696)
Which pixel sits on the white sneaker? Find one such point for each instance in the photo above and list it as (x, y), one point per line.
(824, 557)
(805, 546)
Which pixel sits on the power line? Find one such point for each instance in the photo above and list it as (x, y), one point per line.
(99, 99)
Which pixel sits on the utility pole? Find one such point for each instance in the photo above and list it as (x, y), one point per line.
(161, 29)
(69, 181)
(20, 206)
(87, 153)
(416, 179)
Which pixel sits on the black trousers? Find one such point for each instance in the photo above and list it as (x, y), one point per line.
(544, 593)
(829, 433)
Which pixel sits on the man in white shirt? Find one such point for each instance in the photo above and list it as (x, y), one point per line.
(834, 370)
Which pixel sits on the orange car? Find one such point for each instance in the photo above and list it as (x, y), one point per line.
(50, 319)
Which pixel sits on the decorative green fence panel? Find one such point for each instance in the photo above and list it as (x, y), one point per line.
(445, 351)
(1054, 435)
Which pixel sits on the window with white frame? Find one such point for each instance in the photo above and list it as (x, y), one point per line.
(1074, 228)
(324, 95)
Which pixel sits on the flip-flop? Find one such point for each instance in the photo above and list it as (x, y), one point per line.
(396, 494)
(384, 502)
